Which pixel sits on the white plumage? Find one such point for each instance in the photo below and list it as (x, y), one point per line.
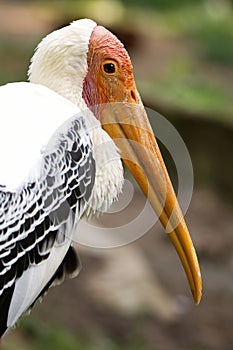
(30, 115)
(53, 171)
(60, 61)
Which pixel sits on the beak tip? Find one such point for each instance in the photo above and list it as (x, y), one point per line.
(197, 291)
(197, 295)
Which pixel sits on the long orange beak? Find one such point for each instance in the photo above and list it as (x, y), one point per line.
(129, 127)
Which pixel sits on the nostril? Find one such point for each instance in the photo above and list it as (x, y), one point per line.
(133, 95)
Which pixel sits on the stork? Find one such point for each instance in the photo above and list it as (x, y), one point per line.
(63, 137)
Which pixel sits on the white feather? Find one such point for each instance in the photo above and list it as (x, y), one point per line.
(60, 61)
(33, 280)
(109, 177)
(30, 115)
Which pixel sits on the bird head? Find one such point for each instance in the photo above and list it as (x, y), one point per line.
(87, 64)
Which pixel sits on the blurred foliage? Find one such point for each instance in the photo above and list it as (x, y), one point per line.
(216, 40)
(210, 26)
(39, 336)
(179, 87)
(164, 5)
(14, 57)
(187, 82)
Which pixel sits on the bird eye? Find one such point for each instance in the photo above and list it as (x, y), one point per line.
(109, 67)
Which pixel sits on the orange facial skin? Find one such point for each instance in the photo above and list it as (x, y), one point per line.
(101, 87)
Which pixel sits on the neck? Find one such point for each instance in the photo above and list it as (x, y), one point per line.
(65, 85)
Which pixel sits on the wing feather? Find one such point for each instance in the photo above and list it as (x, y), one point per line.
(37, 223)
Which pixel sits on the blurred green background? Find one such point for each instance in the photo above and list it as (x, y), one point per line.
(133, 297)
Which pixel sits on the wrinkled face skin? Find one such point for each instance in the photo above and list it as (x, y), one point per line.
(110, 72)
